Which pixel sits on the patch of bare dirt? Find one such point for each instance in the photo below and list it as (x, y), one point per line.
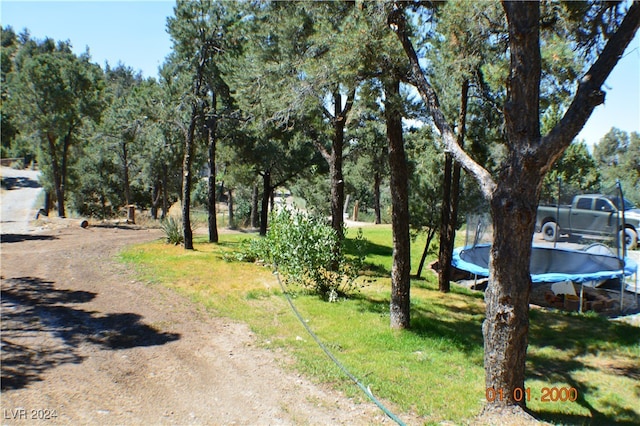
(83, 342)
(506, 416)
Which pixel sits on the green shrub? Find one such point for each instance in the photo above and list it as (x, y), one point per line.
(308, 253)
(172, 228)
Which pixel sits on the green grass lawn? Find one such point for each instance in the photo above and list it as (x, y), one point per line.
(435, 369)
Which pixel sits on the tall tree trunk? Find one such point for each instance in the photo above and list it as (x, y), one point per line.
(196, 113)
(334, 158)
(451, 189)
(66, 145)
(232, 224)
(377, 179)
(47, 202)
(255, 223)
(156, 193)
(513, 210)
(165, 195)
(211, 188)
(444, 260)
(337, 191)
(186, 180)
(401, 268)
(125, 173)
(335, 168)
(221, 192)
(506, 326)
(272, 198)
(57, 176)
(59, 194)
(266, 193)
(103, 205)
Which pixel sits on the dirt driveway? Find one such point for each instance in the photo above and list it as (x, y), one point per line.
(82, 339)
(83, 342)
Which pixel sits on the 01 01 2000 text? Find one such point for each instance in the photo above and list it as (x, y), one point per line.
(552, 394)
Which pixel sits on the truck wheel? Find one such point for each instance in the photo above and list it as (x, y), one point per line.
(630, 238)
(549, 231)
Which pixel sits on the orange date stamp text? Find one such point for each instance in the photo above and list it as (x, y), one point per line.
(553, 394)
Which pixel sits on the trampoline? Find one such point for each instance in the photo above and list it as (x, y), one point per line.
(550, 265)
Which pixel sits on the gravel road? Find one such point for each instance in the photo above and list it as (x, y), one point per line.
(19, 194)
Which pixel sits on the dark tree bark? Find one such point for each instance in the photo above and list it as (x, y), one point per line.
(335, 167)
(66, 145)
(401, 268)
(58, 181)
(377, 180)
(156, 193)
(337, 190)
(197, 114)
(513, 210)
(165, 195)
(125, 173)
(186, 179)
(272, 198)
(47, 202)
(266, 195)
(103, 205)
(232, 221)
(451, 193)
(334, 158)
(254, 206)
(444, 260)
(211, 126)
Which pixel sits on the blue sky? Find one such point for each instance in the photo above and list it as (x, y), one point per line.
(131, 32)
(134, 33)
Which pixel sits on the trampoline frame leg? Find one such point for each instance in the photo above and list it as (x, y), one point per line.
(581, 296)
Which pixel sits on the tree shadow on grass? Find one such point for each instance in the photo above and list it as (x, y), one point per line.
(572, 337)
(596, 419)
(42, 328)
(456, 327)
(579, 333)
(376, 305)
(551, 369)
(463, 334)
(351, 248)
(554, 370)
(375, 270)
(459, 327)
(371, 249)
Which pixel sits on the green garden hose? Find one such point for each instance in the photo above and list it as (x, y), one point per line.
(366, 390)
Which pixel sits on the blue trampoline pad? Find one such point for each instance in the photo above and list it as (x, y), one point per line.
(551, 264)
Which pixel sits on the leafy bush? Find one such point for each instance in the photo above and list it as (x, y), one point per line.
(308, 253)
(172, 228)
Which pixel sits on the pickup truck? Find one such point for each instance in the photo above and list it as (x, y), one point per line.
(592, 215)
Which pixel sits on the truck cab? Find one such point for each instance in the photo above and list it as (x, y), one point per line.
(590, 215)
(593, 213)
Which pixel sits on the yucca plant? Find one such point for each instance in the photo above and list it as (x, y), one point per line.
(172, 228)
